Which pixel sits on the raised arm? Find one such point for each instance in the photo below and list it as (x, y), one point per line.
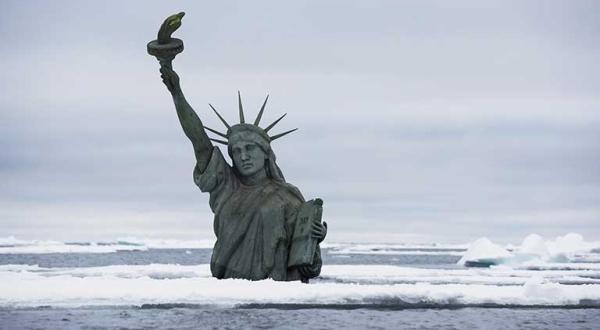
(190, 122)
(165, 48)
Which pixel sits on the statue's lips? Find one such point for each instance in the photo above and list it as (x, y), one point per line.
(247, 165)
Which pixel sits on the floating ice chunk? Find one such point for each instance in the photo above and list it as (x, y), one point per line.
(12, 241)
(483, 253)
(534, 245)
(563, 247)
(159, 243)
(39, 247)
(533, 248)
(12, 245)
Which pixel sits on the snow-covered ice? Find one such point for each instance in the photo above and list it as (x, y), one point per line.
(12, 245)
(26, 285)
(538, 272)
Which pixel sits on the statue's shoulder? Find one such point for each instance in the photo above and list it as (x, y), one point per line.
(288, 193)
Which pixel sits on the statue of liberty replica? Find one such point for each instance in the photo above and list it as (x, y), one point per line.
(264, 227)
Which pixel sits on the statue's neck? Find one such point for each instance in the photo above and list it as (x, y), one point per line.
(257, 178)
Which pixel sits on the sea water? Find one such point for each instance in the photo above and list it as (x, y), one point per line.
(134, 284)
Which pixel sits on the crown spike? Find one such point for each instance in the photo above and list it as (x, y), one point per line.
(216, 132)
(274, 137)
(260, 113)
(219, 141)
(241, 109)
(274, 123)
(218, 115)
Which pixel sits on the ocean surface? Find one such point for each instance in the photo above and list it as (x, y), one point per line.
(166, 284)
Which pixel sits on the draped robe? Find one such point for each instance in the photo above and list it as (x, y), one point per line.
(253, 224)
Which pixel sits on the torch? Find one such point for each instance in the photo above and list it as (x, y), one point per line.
(165, 48)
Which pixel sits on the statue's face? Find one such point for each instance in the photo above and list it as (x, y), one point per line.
(248, 157)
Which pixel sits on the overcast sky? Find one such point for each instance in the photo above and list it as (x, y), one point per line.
(418, 120)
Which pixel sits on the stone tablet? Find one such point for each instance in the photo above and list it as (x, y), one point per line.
(303, 247)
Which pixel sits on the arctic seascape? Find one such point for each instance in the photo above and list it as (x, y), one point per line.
(421, 164)
(137, 283)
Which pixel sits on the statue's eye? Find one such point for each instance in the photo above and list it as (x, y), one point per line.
(250, 147)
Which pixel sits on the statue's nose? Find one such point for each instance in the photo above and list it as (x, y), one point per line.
(244, 156)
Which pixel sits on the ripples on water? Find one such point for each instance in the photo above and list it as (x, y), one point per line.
(202, 256)
(240, 318)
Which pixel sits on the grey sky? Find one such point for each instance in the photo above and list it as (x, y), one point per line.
(419, 120)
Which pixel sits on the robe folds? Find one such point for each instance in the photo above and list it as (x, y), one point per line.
(253, 224)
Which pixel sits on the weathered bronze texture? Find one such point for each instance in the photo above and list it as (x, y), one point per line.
(263, 225)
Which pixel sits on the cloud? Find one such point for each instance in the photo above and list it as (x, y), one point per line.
(415, 118)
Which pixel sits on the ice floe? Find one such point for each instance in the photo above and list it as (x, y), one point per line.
(12, 245)
(395, 249)
(484, 252)
(30, 285)
(39, 247)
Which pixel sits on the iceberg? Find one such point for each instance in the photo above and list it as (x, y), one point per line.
(534, 250)
(572, 243)
(484, 253)
(534, 246)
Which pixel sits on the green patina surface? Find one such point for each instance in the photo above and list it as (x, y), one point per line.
(263, 225)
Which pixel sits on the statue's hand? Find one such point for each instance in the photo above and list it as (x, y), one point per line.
(169, 26)
(307, 272)
(169, 78)
(319, 231)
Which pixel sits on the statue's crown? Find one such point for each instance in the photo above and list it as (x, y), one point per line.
(243, 126)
